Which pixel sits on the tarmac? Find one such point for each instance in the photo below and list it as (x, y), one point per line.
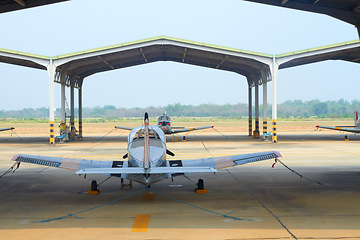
(316, 197)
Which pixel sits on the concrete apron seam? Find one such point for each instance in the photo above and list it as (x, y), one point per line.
(267, 209)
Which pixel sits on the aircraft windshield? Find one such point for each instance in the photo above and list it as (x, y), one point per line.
(164, 121)
(139, 134)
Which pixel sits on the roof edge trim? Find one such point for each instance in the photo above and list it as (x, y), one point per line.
(161, 38)
(317, 48)
(24, 54)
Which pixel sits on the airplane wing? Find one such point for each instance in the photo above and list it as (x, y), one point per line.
(189, 129)
(339, 128)
(176, 167)
(224, 162)
(124, 128)
(153, 170)
(6, 129)
(82, 166)
(68, 163)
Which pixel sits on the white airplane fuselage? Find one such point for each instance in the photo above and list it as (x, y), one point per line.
(147, 152)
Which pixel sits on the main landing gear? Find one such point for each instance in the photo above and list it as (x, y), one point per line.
(94, 188)
(200, 187)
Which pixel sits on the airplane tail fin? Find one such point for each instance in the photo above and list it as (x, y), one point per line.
(146, 159)
(356, 116)
(146, 119)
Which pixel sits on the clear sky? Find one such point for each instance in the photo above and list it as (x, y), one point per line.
(85, 24)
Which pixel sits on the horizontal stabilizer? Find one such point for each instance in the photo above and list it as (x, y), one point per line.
(344, 129)
(153, 170)
(189, 129)
(124, 128)
(6, 129)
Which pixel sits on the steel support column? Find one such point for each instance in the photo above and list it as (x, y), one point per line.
(80, 112)
(274, 70)
(250, 111)
(51, 71)
(257, 132)
(264, 105)
(63, 116)
(72, 110)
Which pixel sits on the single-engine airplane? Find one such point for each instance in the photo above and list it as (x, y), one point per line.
(146, 162)
(164, 123)
(6, 129)
(352, 129)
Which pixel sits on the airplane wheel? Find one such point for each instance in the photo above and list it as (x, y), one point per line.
(94, 185)
(200, 184)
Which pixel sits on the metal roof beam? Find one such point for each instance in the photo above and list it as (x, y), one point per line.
(101, 59)
(20, 2)
(183, 59)
(142, 53)
(222, 61)
(357, 8)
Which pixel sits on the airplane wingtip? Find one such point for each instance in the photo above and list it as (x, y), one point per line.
(278, 154)
(15, 157)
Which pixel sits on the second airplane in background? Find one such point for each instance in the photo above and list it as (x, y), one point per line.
(6, 129)
(353, 129)
(164, 123)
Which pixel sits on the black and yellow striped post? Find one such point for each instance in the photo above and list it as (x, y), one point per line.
(72, 124)
(264, 128)
(250, 126)
(256, 132)
(274, 138)
(80, 128)
(72, 129)
(52, 138)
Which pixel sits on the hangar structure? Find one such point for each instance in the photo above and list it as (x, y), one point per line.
(344, 10)
(14, 5)
(70, 70)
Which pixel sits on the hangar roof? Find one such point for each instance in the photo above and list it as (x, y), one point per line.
(345, 10)
(23, 59)
(13, 5)
(248, 63)
(346, 51)
(86, 63)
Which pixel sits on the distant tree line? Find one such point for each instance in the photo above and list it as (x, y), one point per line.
(289, 109)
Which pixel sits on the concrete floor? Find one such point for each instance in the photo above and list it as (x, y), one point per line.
(272, 203)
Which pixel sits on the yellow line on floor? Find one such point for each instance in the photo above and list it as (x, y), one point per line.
(141, 223)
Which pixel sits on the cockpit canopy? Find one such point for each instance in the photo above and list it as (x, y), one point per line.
(164, 121)
(154, 132)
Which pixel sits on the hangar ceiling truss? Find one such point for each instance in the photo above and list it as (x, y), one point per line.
(345, 10)
(83, 64)
(71, 69)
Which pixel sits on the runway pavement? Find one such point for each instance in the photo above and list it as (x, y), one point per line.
(258, 201)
